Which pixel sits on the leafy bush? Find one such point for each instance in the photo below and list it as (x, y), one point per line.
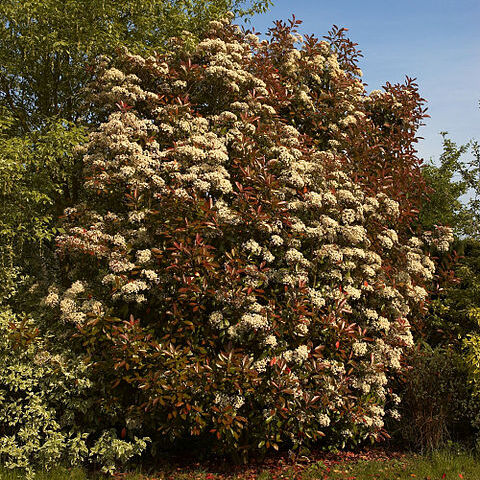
(241, 269)
(34, 170)
(471, 344)
(453, 311)
(438, 403)
(43, 395)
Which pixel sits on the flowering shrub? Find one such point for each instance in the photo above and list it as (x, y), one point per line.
(241, 268)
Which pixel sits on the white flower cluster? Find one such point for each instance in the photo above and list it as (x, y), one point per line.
(223, 400)
(52, 299)
(297, 356)
(250, 322)
(441, 238)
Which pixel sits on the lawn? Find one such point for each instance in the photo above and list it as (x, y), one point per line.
(444, 465)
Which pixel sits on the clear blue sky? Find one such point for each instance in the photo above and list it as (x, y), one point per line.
(435, 41)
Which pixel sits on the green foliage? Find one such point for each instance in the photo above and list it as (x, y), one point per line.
(444, 206)
(470, 172)
(38, 394)
(110, 451)
(453, 200)
(471, 344)
(43, 397)
(454, 197)
(36, 180)
(437, 404)
(452, 322)
(453, 312)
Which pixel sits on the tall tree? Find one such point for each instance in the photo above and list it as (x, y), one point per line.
(454, 185)
(46, 45)
(454, 200)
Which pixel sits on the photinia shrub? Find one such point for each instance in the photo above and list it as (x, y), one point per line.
(242, 268)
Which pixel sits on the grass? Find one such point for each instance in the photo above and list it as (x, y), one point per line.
(439, 465)
(56, 474)
(62, 473)
(442, 465)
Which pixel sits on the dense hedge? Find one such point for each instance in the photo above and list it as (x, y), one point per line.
(242, 268)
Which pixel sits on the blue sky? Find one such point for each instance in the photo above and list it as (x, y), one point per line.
(435, 41)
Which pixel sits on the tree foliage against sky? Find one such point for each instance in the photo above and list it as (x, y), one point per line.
(46, 45)
(454, 189)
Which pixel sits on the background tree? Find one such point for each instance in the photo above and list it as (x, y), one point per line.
(446, 187)
(440, 402)
(453, 200)
(454, 313)
(454, 189)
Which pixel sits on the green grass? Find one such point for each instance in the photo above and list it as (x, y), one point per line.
(444, 465)
(439, 465)
(56, 474)
(61, 473)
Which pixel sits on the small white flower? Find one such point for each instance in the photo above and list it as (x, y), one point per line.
(215, 319)
(270, 341)
(144, 256)
(323, 420)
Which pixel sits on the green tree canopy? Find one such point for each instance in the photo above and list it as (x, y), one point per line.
(45, 45)
(454, 184)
